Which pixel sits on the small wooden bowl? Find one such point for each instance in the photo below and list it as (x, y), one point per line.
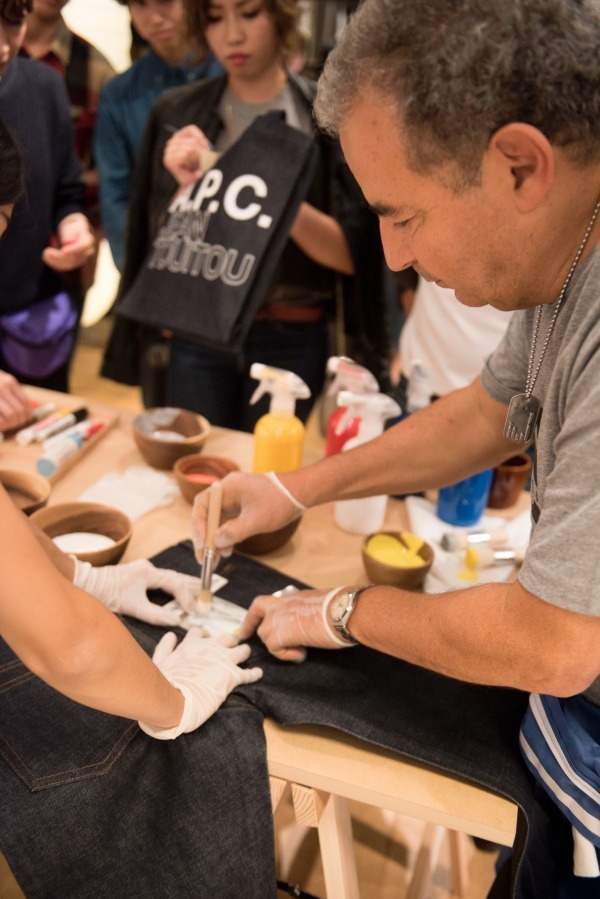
(93, 518)
(188, 433)
(188, 466)
(259, 544)
(29, 490)
(395, 575)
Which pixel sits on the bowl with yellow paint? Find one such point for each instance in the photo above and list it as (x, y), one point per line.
(397, 559)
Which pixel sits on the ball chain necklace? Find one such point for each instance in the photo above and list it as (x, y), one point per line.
(524, 408)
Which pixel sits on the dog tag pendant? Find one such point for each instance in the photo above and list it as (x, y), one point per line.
(523, 413)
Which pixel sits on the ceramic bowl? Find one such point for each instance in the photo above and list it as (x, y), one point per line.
(195, 473)
(29, 490)
(164, 434)
(259, 544)
(395, 575)
(87, 518)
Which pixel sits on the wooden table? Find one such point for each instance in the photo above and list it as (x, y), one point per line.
(322, 768)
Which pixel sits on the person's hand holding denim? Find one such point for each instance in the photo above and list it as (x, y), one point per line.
(122, 589)
(287, 624)
(205, 670)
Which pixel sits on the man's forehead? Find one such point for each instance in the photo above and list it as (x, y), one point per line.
(13, 12)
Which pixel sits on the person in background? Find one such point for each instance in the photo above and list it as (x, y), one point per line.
(49, 235)
(57, 613)
(85, 70)
(173, 58)
(15, 408)
(450, 341)
(473, 129)
(334, 233)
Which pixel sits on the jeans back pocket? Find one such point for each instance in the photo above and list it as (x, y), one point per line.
(48, 739)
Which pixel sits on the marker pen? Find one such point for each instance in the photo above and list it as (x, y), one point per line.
(62, 448)
(64, 421)
(85, 429)
(26, 435)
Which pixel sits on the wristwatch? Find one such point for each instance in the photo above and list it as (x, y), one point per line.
(341, 608)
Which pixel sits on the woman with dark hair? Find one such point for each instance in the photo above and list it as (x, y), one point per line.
(334, 236)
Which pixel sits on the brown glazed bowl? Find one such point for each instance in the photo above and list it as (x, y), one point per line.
(29, 490)
(259, 544)
(188, 466)
(94, 518)
(395, 575)
(164, 434)
(508, 481)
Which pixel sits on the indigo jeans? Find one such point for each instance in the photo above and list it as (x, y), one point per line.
(92, 808)
(217, 384)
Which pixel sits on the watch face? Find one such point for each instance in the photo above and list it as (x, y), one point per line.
(339, 606)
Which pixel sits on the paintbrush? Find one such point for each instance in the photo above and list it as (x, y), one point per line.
(206, 557)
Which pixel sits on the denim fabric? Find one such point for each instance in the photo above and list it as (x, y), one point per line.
(465, 730)
(218, 385)
(92, 807)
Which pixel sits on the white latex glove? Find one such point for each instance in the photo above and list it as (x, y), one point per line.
(252, 504)
(206, 670)
(289, 623)
(122, 589)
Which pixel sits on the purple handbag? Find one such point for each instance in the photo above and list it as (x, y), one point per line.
(37, 340)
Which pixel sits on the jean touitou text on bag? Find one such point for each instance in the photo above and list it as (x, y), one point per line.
(211, 262)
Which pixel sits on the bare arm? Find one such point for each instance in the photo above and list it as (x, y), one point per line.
(320, 237)
(453, 438)
(69, 639)
(495, 634)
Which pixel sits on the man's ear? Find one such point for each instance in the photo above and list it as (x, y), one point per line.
(527, 155)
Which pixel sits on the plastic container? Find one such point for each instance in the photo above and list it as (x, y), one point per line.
(278, 435)
(366, 515)
(463, 504)
(348, 375)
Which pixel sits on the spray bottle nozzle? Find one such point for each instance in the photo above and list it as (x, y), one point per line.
(373, 408)
(349, 375)
(284, 386)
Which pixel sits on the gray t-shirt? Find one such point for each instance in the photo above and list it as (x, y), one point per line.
(238, 115)
(562, 565)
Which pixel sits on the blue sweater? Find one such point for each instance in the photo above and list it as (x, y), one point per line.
(34, 105)
(122, 114)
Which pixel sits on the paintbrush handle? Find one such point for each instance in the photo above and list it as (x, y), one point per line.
(215, 501)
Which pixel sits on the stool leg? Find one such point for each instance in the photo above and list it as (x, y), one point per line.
(330, 815)
(426, 861)
(458, 863)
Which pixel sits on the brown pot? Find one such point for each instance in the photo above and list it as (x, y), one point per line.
(508, 481)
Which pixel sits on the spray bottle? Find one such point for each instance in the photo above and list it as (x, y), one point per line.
(364, 516)
(278, 435)
(350, 376)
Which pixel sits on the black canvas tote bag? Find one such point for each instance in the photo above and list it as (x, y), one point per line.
(211, 262)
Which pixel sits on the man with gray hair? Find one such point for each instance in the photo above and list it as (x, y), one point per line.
(473, 129)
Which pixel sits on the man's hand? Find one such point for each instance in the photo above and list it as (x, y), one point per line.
(122, 589)
(15, 408)
(252, 504)
(188, 155)
(289, 623)
(205, 670)
(76, 244)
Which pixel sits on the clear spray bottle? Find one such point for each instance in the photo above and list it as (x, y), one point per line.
(278, 435)
(364, 516)
(348, 375)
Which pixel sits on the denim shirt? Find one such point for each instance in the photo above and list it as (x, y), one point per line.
(122, 114)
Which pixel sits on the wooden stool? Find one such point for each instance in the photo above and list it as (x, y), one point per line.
(330, 815)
